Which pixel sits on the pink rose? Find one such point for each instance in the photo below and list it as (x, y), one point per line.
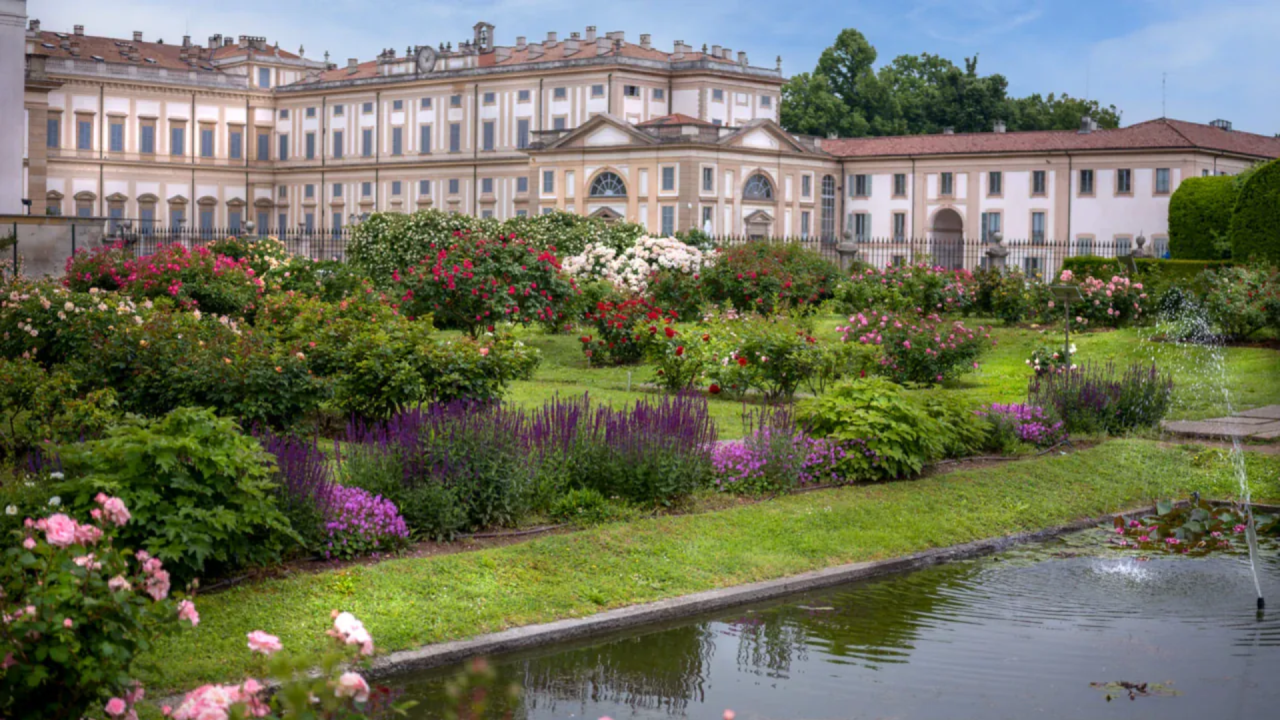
(353, 686)
(116, 707)
(114, 509)
(59, 530)
(29, 543)
(118, 583)
(88, 534)
(66, 623)
(187, 611)
(264, 643)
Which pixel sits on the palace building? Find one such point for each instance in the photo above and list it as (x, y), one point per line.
(213, 135)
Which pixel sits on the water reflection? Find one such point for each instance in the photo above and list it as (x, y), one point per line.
(1020, 634)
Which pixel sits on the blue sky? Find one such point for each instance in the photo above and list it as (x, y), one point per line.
(1221, 57)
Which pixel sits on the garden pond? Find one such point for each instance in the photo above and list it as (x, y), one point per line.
(1066, 628)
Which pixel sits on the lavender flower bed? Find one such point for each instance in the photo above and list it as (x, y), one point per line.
(776, 455)
(1029, 423)
(361, 523)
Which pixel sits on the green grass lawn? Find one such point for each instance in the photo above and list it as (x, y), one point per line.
(1251, 374)
(413, 601)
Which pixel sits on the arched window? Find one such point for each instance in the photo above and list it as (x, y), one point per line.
(828, 207)
(608, 184)
(758, 187)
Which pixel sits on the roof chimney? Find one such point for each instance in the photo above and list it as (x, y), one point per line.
(536, 51)
(353, 64)
(79, 30)
(591, 33)
(551, 39)
(137, 36)
(74, 47)
(35, 26)
(228, 41)
(1087, 125)
(726, 53)
(571, 45)
(999, 126)
(948, 130)
(742, 58)
(616, 36)
(1222, 124)
(186, 40)
(645, 41)
(678, 52)
(521, 42)
(715, 50)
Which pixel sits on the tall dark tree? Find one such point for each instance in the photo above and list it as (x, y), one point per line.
(916, 94)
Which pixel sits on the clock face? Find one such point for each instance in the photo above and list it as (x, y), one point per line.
(426, 59)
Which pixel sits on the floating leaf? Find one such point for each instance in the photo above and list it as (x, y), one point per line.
(1164, 507)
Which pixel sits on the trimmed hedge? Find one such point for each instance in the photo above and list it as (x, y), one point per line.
(1255, 223)
(1199, 215)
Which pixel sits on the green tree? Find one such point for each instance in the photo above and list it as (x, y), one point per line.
(810, 107)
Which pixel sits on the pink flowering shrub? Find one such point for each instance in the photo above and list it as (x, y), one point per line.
(361, 523)
(336, 692)
(76, 610)
(1107, 303)
(199, 278)
(918, 348)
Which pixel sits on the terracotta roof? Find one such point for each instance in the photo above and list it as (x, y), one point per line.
(600, 46)
(115, 50)
(1161, 133)
(676, 119)
(364, 70)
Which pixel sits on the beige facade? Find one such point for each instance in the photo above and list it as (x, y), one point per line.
(233, 131)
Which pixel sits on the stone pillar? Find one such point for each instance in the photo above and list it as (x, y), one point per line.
(1140, 249)
(13, 60)
(998, 253)
(848, 251)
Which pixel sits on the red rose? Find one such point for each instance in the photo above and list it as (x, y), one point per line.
(714, 389)
(670, 331)
(679, 350)
(742, 361)
(706, 338)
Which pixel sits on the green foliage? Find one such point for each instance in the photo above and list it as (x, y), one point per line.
(200, 491)
(328, 280)
(38, 405)
(74, 626)
(1239, 300)
(901, 431)
(1200, 217)
(772, 355)
(586, 506)
(764, 277)
(1255, 221)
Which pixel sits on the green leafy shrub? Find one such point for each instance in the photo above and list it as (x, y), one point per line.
(53, 325)
(763, 277)
(895, 432)
(1255, 220)
(37, 405)
(328, 280)
(1200, 217)
(77, 613)
(586, 506)
(200, 491)
(679, 292)
(773, 355)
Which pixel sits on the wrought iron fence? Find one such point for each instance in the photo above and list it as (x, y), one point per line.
(314, 243)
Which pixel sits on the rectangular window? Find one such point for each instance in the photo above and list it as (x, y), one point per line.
(548, 182)
(425, 104)
(806, 186)
(862, 186)
(283, 144)
(707, 222)
(1124, 182)
(487, 130)
(236, 144)
(804, 223)
(717, 95)
(311, 112)
(900, 185)
(946, 184)
(284, 113)
(178, 140)
(396, 187)
(455, 137)
(995, 183)
(559, 93)
(366, 189)
(367, 108)
(53, 131)
(522, 185)
(309, 222)
(397, 104)
(1162, 181)
(522, 133)
(455, 101)
(454, 186)
(899, 226)
(366, 142)
(206, 141)
(631, 90)
(282, 221)
(338, 148)
(557, 123)
(147, 216)
(1037, 228)
(206, 222)
(264, 146)
(709, 180)
(115, 135)
(339, 110)
(547, 210)
(337, 190)
(424, 139)
(522, 213)
(264, 223)
(84, 133)
(147, 137)
(311, 146)
(264, 77)
(397, 141)
(282, 192)
(486, 186)
(766, 101)
(490, 98)
(1038, 182)
(1086, 182)
(486, 213)
(308, 191)
(990, 223)
(424, 187)
(668, 179)
(1121, 243)
(668, 220)
(522, 96)
(862, 226)
(337, 224)
(659, 94)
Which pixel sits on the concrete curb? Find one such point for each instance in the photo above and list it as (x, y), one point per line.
(611, 621)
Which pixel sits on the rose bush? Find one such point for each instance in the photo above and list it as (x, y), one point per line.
(633, 268)
(920, 287)
(1241, 300)
(919, 348)
(623, 330)
(77, 610)
(764, 277)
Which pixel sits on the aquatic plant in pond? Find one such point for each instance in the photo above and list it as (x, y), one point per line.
(1196, 528)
